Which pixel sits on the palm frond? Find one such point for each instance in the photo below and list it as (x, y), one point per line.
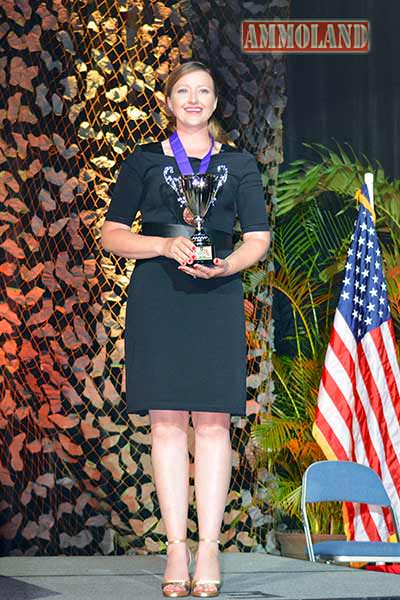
(275, 433)
(287, 497)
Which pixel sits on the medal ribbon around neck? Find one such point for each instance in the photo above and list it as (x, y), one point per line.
(182, 159)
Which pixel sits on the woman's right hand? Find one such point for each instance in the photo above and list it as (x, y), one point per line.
(180, 249)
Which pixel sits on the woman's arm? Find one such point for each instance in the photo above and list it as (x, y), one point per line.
(254, 248)
(120, 240)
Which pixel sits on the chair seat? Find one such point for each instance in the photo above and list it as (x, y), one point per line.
(343, 551)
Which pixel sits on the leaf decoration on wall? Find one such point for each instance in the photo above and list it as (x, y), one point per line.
(79, 89)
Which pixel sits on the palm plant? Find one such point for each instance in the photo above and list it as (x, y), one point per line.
(338, 175)
(317, 211)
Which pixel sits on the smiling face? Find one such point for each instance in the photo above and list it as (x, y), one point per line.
(192, 99)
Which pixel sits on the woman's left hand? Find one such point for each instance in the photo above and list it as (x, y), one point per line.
(221, 268)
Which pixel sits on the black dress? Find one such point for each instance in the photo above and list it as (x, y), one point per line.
(185, 338)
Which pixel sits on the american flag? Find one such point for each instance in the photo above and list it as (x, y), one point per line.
(358, 409)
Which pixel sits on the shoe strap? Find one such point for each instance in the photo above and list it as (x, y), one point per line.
(168, 542)
(209, 540)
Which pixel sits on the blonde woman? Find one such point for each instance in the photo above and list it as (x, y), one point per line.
(185, 351)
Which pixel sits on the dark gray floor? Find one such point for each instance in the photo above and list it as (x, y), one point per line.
(245, 577)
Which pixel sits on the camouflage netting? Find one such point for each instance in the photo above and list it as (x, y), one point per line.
(80, 85)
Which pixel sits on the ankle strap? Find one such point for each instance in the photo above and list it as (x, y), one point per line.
(209, 540)
(168, 542)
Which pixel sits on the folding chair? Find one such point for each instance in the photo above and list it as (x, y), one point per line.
(344, 481)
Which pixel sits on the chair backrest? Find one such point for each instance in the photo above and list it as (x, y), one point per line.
(341, 481)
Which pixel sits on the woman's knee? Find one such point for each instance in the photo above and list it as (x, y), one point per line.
(169, 425)
(211, 425)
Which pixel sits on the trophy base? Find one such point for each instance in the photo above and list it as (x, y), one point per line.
(205, 251)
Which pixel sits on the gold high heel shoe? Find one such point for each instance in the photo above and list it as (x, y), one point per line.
(199, 583)
(184, 584)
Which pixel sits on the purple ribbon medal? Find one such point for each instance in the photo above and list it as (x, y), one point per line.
(186, 171)
(182, 159)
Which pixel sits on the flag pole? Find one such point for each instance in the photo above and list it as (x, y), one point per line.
(369, 182)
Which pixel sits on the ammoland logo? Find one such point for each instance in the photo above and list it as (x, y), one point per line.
(308, 36)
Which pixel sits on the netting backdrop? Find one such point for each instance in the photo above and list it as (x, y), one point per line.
(80, 85)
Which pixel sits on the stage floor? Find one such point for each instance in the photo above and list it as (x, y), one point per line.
(245, 577)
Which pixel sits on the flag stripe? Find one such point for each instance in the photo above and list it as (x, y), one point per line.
(382, 351)
(363, 521)
(376, 357)
(331, 384)
(348, 517)
(335, 445)
(361, 431)
(370, 525)
(387, 333)
(388, 458)
(330, 408)
(371, 426)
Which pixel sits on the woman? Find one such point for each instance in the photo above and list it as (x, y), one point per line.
(185, 331)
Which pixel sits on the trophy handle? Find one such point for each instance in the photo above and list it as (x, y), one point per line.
(221, 179)
(175, 184)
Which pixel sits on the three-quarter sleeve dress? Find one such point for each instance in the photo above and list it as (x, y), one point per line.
(184, 338)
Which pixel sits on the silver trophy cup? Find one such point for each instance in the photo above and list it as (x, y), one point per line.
(199, 192)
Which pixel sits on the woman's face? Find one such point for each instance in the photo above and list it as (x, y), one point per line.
(192, 99)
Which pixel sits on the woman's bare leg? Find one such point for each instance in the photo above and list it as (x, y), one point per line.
(170, 461)
(213, 465)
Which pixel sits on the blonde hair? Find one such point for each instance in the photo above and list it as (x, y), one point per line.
(214, 127)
